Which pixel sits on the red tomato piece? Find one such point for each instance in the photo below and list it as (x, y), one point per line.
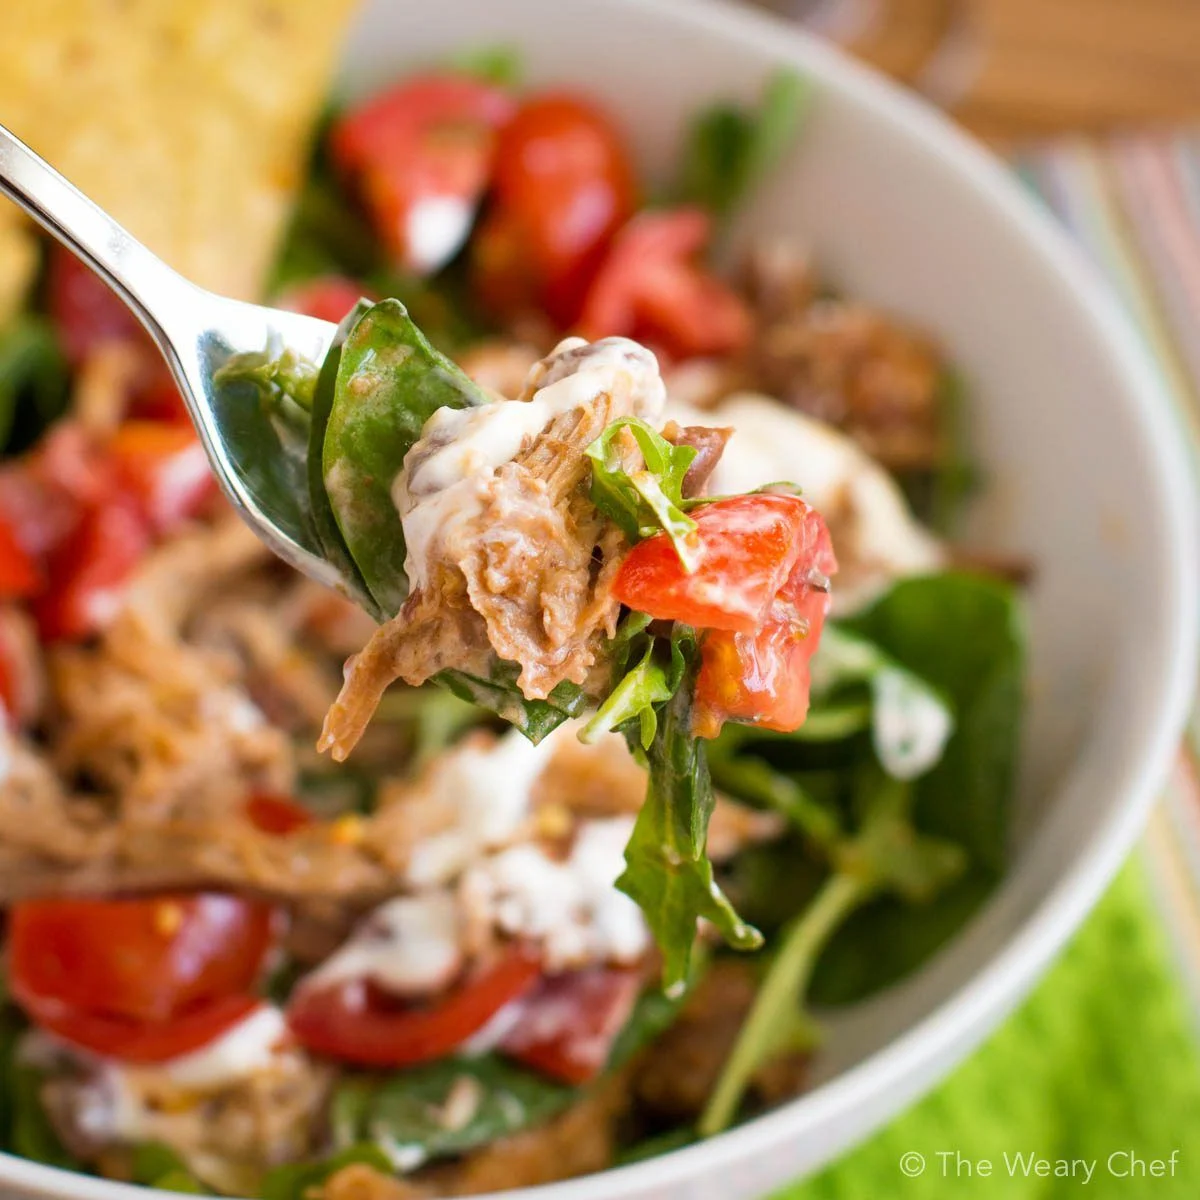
(141, 1041)
(20, 575)
(568, 1025)
(164, 469)
(8, 691)
(564, 186)
(762, 678)
(279, 815)
(328, 298)
(149, 958)
(651, 288)
(421, 156)
(748, 547)
(356, 1023)
(89, 569)
(85, 310)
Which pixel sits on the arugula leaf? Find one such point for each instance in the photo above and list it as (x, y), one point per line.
(501, 695)
(404, 1112)
(390, 380)
(300, 1181)
(157, 1165)
(886, 854)
(730, 148)
(667, 870)
(648, 500)
(965, 635)
(34, 380)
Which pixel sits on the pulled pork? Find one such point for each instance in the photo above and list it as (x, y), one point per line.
(525, 576)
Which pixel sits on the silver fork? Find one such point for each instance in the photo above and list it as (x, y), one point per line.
(197, 332)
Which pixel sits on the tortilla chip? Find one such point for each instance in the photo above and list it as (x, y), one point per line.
(188, 120)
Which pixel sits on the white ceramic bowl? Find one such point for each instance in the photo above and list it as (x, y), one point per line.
(1087, 477)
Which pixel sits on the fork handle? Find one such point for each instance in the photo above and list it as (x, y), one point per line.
(147, 285)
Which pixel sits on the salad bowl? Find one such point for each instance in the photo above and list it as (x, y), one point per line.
(1083, 477)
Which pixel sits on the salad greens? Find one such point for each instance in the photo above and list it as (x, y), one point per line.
(33, 381)
(730, 148)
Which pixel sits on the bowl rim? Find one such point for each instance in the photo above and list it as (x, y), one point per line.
(924, 1050)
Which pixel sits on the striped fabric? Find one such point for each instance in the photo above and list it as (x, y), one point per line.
(1133, 204)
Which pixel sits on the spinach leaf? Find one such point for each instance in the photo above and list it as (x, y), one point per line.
(501, 695)
(30, 1133)
(299, 1181)
(964, 634)
(886, 854)
(34, 381)
(667, 870)
(390, 380)
(730, 148)
(407, 1113)
(910, 720)
(156, 1165)
(650, 499)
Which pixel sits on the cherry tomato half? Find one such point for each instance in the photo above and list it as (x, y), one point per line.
(564, 185)
(762, 678)
(568, 1025)
(147, 958)
(164, 469)
(356, 1023)
(279, 815)
(141, 1041)
(420, 156)
(748, 547)
(651, 287)
(328, 298)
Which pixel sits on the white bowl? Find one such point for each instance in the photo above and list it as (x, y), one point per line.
(1087, 477)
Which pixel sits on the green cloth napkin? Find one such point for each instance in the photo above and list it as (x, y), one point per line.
(1101, 1060)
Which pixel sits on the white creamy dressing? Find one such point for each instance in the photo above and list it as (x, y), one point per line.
(445, 473)
(571, 907)
(489, 787)
(408, 946)
(120, 1098)
(436, 228)
(773, 443)
(910, 727)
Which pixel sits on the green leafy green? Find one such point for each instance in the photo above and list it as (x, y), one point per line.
(158, 1166)
(499, 65)
(30, 1133)
(299, 1181)
(730, 148)
(390, 380)
(278, 373)
(407, 1112)
(667, 870)
(964, 634)
(655, 1145)
(34, 382)
(887, 854)
(501, 695)
(650, 499)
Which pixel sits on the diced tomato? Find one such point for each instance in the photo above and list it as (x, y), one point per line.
(151, 958)
(164, 468)
(141, 1041)
(276, 814)
(651, 287)
(564, 186)
(8, 690)
(762, 678)
(88, 570)
(159, 398)
(20, 575)
(568, 1025)
(71, 460)
(328, 298)
(85, 310)
(748, 545)
(421, 156)
(356, 1023)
